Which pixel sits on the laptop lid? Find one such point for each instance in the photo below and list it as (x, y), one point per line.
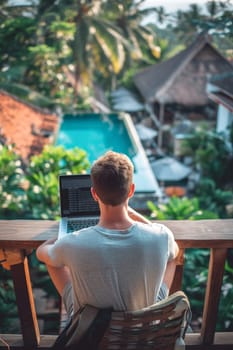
(75, 196)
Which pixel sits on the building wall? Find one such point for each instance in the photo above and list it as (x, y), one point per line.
(224, 120)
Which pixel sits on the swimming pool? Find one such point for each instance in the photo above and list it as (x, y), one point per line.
(97, 133)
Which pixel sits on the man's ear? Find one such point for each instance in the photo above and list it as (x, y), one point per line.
(131, 190)
(94, 195)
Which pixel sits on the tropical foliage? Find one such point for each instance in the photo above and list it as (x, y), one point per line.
(217, 200)
(197, 260)
(32, 191)
(194, 283)
(8, 305)
(211, 152)
(212, 196)
(180, 209)
(213, 17)
(42, 178)
(61, 49)
(11, 194)
(212, 156)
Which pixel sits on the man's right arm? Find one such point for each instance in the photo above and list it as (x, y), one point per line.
(133, 214)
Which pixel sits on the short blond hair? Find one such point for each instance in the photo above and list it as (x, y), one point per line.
(112, 176)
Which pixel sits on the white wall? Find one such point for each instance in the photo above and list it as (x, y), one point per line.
(224, 119)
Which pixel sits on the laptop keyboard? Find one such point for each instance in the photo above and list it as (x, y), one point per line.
(76, 225)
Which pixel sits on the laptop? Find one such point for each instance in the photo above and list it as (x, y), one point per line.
(77, 206)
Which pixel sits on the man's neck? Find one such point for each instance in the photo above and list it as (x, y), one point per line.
(115, 217)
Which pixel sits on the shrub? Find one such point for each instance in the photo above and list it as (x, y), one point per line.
(180, 209)
(32, 191)
(12, 195)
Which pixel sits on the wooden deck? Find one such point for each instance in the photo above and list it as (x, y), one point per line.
(19, 237)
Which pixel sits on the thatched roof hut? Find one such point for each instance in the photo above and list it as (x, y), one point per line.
(181, 80)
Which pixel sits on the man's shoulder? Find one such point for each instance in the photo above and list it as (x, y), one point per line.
(72, 237)
(155, 228)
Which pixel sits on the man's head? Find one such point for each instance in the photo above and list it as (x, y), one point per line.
(112, 178)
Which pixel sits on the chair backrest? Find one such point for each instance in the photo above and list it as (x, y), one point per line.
(155, 327)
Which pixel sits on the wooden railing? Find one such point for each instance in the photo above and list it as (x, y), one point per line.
(19, 237)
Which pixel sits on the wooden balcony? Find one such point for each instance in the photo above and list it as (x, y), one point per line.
(18, 237)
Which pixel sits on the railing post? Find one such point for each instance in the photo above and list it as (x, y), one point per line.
(25, 303)
(177, 282)
(212, 296)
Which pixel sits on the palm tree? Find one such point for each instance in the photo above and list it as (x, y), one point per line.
(74, 41)
(128, 16)
(17, 28)
(106, 36)
(93, 39)
(216, 19)
(187, 22)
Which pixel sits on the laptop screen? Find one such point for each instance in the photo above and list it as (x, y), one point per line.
(75, 196)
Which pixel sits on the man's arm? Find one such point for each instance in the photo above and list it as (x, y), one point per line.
(171, 267)
(42, 252)
(171, 264)
(133, 214)
(138, 217)
(59, 275)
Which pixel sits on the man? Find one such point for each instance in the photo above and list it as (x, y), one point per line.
(125, 262)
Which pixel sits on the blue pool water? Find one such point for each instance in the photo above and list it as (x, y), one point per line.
(95, 133)
(98, 133)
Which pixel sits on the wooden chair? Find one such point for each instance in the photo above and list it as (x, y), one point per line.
(161, 326)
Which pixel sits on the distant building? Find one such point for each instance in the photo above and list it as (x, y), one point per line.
(176, 89)
(27, 127)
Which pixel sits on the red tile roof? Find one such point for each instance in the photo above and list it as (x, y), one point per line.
(26, 126)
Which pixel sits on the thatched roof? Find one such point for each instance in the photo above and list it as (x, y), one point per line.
(182, 79)
(28, 127)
